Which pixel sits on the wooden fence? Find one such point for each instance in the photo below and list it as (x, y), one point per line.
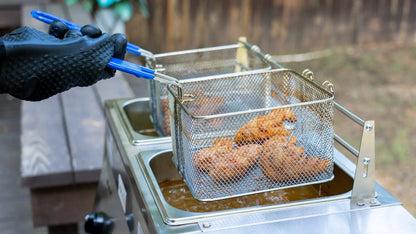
(277, 26)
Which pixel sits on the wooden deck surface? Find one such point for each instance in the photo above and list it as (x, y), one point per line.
(15, 206)
(15, 211)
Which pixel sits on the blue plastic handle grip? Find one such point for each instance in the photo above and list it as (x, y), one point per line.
(114, 63)
(131, 68)
(48, 18)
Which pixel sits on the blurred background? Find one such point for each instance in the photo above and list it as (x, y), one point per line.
(366, 48)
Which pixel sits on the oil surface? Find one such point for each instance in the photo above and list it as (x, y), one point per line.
(177, 194)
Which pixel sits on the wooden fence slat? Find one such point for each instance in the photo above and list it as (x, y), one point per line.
(9, 16)
(277, 26)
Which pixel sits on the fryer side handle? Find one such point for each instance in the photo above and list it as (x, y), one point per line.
(363, 192)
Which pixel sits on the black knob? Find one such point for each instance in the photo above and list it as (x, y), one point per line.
(130, 221)
(98, 223)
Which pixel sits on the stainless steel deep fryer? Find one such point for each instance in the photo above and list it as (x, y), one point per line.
(203, 62)
(211, 109)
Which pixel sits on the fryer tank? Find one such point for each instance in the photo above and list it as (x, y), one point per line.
(139, 176)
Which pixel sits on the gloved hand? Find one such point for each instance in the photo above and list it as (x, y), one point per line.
(36, 65)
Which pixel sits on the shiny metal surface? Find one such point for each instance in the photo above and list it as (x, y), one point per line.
(136, 120)
(365, 173)
(158, 166)
(137, 163)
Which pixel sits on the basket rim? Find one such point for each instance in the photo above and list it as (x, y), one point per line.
(188, 112)
(198, 50)
(249, 47)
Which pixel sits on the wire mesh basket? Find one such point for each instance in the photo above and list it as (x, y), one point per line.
(241, 134)
(196, 63)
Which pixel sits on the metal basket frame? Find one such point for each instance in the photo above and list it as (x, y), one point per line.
(158, 91)
(179, 111)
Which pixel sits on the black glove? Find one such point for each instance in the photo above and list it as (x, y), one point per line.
(35, 65)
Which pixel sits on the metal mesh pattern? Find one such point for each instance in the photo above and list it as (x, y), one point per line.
(193, 64)
(254, 132)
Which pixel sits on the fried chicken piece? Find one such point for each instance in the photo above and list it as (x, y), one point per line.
(235, 162)
(282, 160)
(210, 106)
(287, 114)
(201, 104)
(247, 155)
(315, 166)
(223, 169)
(164, 104)
(223, 142)
(204, 158)
(249, 133)
(259, 129)
(283, 139)
(279, 154)
(166, 125)
(164, 107)
(263, 127)
(271, 172)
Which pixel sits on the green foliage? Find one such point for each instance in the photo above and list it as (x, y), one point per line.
(123, 8)
(70, 2)
(105, 3)
(88, 5)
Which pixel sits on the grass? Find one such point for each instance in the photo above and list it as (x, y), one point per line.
(379, 83)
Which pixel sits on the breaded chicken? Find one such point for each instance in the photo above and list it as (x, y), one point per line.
(235, 162)
(282, 160)
(224, 162)
(199, 104)
(261, 128)
(287, 114)
(223, 142)
(204, 158)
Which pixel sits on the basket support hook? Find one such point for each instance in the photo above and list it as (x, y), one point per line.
(363, 191)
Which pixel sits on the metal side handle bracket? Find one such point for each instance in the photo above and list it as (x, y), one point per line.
(363, 191)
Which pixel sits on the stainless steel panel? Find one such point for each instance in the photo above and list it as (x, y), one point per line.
(143, 164)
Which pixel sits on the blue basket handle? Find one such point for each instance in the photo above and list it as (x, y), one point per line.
(141, 72)
(131, 68)
(115, 63)
(49, 18)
